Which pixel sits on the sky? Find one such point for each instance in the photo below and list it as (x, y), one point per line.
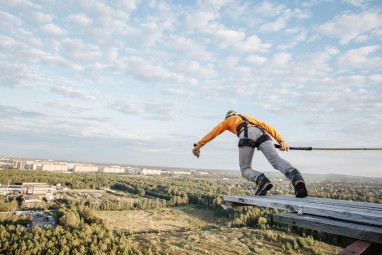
(139, 82)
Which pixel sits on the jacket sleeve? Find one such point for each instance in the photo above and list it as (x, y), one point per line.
(213, 133)
(270, 130)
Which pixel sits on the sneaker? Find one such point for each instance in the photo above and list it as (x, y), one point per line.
(263, 185)
(298, 183)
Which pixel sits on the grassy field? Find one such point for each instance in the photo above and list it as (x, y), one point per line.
(188, 230)
(227, 241)
(160, 220)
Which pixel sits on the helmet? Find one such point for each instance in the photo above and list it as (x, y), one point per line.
(230, 113)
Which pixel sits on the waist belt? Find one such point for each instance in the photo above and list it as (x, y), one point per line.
(249, 142)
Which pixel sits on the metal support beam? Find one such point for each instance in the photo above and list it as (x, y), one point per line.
(362, 248)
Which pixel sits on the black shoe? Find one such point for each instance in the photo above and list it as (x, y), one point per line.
(263, 185)
(298, 183)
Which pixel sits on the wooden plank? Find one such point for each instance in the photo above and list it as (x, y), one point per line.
(362, 248)
(358, 231)
(358, 212)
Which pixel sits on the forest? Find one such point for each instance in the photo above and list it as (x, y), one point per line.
(80, 231)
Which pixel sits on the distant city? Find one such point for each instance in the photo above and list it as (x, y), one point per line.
(70, 167)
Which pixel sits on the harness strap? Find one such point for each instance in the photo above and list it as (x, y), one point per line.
(249, 142)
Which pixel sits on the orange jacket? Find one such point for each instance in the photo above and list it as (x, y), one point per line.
(231, 124)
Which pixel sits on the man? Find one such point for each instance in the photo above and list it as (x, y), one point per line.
(253, 134)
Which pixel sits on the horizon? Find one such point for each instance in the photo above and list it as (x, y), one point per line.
(270, 172)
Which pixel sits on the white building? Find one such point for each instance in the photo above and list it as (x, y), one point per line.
(145, 171)
(85, 168)
(113, 169)
(55, 167)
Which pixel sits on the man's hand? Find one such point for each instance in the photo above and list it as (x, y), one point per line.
(284, 146)
(196, 150)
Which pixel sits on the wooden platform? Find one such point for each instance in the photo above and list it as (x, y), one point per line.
(359, 220)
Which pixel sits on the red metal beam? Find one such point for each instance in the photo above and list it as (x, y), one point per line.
(362, 248)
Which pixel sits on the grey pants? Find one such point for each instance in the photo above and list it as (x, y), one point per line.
(269, 151)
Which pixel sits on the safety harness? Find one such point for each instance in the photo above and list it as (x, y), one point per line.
(246, 141)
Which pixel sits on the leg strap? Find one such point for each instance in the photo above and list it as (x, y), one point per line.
(253, 144)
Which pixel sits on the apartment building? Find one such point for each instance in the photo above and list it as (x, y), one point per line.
(35, 188)
(113, 169)
(145, 171)
(85, 168)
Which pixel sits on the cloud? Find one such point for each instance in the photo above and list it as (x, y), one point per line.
(11, 112)
(143, 70)
(252, 44)
(198, 69)
(376, 78)
(284, 15)
(13, 49)
(278, 24)
(189, 48)
(39, 17)
(348, 27)
(18, 75)
(177, 92)
(199, 19)
(147, 108)
(66, 107)
(72, 92)
(226, 36)
(257, 60)
(281, 58)
(126, 106)
(80, 51)
(8, 22)
(361, 58)
(80, 19)
(357, 3)
(160, 110)
(53, 30)
(270, 9)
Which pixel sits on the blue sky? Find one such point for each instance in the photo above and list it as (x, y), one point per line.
(138, 82)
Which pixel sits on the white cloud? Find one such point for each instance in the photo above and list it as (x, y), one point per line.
(66, 107)
(227, 36)
(19, 50)
(195, 68)
(39, 17)
(349, 26)
(281, 58)
(144, 70)
(128, 5)
(79, 51)
(270, 9)
(177, 92)
(80, 19)
(257, 60)
(189, 48)
(126, 106)
(9, 21)
(147, 108)
(252, 44)
(361, 58)
(72, 92)
(199, 19)
(376, 77)
(357, 3)
(53, 30)
(278, 24)
(60, 62)
(160, 110)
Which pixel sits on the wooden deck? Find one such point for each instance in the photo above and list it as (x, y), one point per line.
(359, 220)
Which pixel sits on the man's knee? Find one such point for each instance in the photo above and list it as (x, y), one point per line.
(248, 173)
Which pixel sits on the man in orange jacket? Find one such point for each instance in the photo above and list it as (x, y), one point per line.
(253, 134)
